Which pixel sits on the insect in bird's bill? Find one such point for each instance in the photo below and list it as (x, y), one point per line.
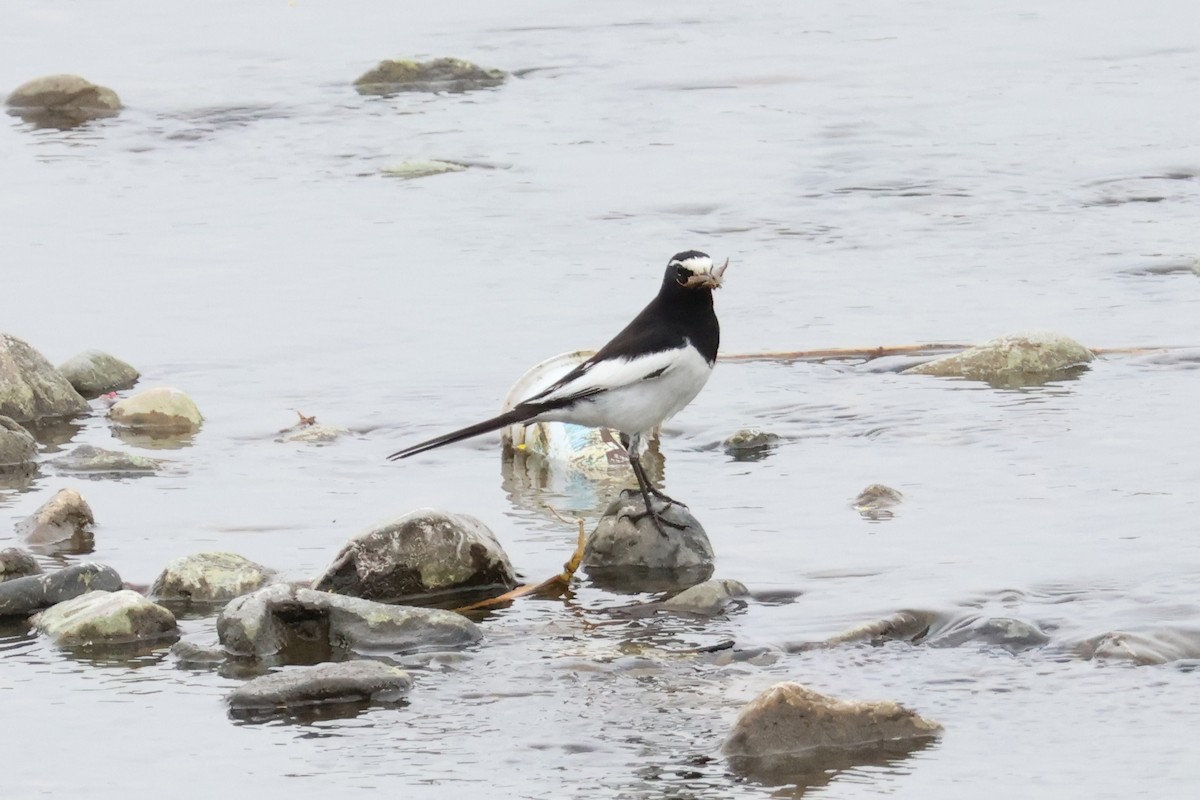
(649, 371)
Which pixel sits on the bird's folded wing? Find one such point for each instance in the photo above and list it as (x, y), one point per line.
(600, 375)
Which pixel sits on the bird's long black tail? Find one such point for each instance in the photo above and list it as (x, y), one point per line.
(519, 414)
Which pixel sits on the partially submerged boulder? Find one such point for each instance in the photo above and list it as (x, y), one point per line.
(750, 444)
(278, 618)
(627, 550)
(790, 721)
(876, 502)
(22, 596)
(438, 75)
(1013, 360)
(96, 461)
(1158, 645)
(62, 101)
(408, 170)
(17, 563)
(161, 410)
(94, 372)
(422, 553)
(360, 680)
(106, 618)
(30, 386)
(708, 598)
(208, 578)
(64, 519)
(18, 448)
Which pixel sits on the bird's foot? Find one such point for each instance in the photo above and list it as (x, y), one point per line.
(663, 496)
(659, 523)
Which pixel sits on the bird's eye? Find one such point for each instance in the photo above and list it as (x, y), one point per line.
(682, 274)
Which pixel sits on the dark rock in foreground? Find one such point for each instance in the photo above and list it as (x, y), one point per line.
(789, 721)
(208, 578)
(23, 596)
(17, 563)
(94, 372)
(97, 461)
(627, 551)
(18, 448)
(106, 618)
(30, 386)
(439, 75)
(276, 619)
(421, 553)
(341, 682)
(65, 518)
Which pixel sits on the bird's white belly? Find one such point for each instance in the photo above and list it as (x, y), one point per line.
(641, 406)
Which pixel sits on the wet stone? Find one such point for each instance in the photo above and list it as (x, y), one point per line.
(316, 433)
(62, 101)
(30, 387)
(280, 619)
(17, 563)
(190, 655)
(1013, 635)
(24, 595)
(1161, 645)
(208, 578)
(790, 720)
(18, 448)
(421, 553)
(748, 443)
(876, 501)
(408, 170)
(708, 598)
(87, 458)
(1016, 359)
(161, 410)
(627, 551)
(438, 75)
(94, 372)
(65, 518)
(105, 618)
(341, 682)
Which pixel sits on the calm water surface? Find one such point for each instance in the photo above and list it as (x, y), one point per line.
(878, 173)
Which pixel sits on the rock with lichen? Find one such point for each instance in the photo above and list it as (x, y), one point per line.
(1016, 359)
(421, 553)
(208, 578)
(24, 595)
(17, 563)
(95, 461)
(438, 75)
(18, 448)
(62, 101)
(94, 372)
(357, 681)
(30, 386)
(161, 410)
(106, 618)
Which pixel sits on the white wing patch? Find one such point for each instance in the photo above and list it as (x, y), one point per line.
(604, 376)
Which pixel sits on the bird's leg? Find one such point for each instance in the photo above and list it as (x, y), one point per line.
(629, 446)
(635, 461)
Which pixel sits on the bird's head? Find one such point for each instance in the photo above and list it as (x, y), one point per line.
(692, 269)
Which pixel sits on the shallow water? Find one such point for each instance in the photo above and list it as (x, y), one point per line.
(878, 174)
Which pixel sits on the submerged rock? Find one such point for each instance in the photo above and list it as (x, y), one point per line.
(17, 563)
(18, 448)
(273, 620)
(64, 518)
(22, 596)
(708, 598)
(90, 459)
(1150, 647)
(30, 386)
(626, 543)
(309, 431)
(62, 101)
(161, 410)
(439, 75)
(94, 372)
(749, 444)
(342, 682)
(421, 553)
(105, 618)
(789, 720)
(876, 501)
(190, 655)
(407, 170)
(208, 578)
(1013, 360)
(1011, 634)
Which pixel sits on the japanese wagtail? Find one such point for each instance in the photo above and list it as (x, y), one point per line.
(643, 377)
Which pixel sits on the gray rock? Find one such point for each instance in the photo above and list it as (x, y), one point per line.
(96, 460)
(62, 101)
(106, 618)
(208, 578)
(619, 541)
(876, 501)
(30, 386)
(749, 441)
(17, 563)
(1160, 645)
(23, 596)
(315, 433)
(789, 720)
(906, 626)
(341, 682)
(190, 655)
(1013, 635)
(439, 75)
(421, 553)
(65, 519)
(708, 598)
(18, 448)
(160, 410)
(273, 620)
(1013, 360)
(94, 372)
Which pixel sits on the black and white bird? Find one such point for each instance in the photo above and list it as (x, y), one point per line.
(643, 377)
